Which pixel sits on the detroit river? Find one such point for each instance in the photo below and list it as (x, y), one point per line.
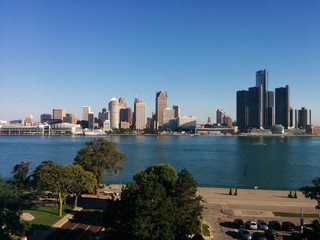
(267, 162)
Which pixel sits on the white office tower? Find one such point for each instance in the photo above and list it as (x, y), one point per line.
(106, 125)
(85, 113)
(140, 114)
(114, 113)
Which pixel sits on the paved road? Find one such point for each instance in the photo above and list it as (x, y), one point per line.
(220, 209)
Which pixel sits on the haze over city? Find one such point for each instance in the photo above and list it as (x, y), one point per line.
(71, 54)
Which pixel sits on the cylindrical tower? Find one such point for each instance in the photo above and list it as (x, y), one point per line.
(114, 113)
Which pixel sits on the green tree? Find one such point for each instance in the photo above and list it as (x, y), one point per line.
(20, 174)
(49, 176)
(99, 155)
(155, 205)
(81, 181)
(313, 192)
(187, 204)
(10, 210)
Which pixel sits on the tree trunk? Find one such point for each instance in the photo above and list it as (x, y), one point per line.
(60, 204)
(75, 201)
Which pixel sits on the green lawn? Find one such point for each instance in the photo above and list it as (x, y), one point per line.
(46, 215)
(295, 215)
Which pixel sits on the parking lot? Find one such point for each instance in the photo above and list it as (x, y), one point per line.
(220, 209)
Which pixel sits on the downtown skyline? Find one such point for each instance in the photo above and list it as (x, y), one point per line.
(67, 55)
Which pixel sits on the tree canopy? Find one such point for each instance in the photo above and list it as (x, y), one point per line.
(313, 192)
(20, 173)
(62, 180)
(99, 155)
(157, 204)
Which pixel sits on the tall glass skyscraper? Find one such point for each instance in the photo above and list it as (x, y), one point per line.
(282, 106)
(161, 104)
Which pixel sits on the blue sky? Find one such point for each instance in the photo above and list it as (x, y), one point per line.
(66, 54)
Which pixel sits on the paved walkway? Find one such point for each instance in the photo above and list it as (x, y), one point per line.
(220, 208)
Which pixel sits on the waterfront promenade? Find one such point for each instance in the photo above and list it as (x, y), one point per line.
(220, 208)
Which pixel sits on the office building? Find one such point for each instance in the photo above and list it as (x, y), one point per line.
(122, 103)
(45, 117)
(303, 118)
(29, 120)
(139, 114)
(177, 111)
(161, 104)
(187, 123)
(270, 110)
(58, 114)
(169, 122)
(91, 120)
(242, 110)
(70, 118)
(126, 115)
(102, 116)
(114, 113)
(85, 112)
(282, 107)
(220, 114)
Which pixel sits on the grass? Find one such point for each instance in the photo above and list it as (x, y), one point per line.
(46, 215)
(205, 230)
(295, 215)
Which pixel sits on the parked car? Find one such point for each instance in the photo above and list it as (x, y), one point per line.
(245, 234)
(251, 225)
(262, 224)
(274, 225)
(258, 236)
(272, 234)
(296, 235)
(238, 223)
(288, 226)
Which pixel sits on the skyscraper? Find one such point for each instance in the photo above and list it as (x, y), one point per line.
(139, 114)
(161, 104)
(177, 111)
(303, 117)
(262, 82)
(91, 120)
(220, 114)
(242, 110)
(114, 113)
(58, 113)
(282, 106)
(255, 107)
(85, 112)
(122, 103)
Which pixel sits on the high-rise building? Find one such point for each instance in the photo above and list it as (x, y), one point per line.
(140, 114)
(114, 113)
(161, 104)
(270, 108)
(255, 107)
(85, 112)
(45, 117)
(303, 118)
(29, 120)
(177, 111)
(169, 121)
(122, 103)
(91, 120)
(262, 82)
(220, 114)
(70, 118)
(242, 110)
(126, 115)
(282, 106)
(102, 116)
(58, 114)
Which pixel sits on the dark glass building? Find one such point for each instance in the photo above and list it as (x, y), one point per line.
(283, 106)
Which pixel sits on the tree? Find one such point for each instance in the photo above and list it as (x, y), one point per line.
(49, 176)
(10, 209)
(20, 174)
(157, 204)
(313, 192)
(187, 204)
(100, 155)
(81, 181)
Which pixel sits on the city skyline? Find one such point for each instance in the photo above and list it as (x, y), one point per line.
(67, 55)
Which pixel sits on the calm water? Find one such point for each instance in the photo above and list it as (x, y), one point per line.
(244, 162)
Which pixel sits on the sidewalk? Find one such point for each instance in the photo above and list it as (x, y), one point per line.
(43, 234)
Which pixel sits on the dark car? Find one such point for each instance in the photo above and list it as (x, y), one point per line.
(258, 236)
(274, 225)
(288, 226)
(238, 223)
(272, 234)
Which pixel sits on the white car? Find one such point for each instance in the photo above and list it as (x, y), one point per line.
(251, 225)
(262, 224)
(245, 234)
